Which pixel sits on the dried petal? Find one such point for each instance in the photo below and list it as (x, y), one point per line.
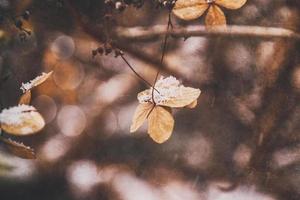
(215, 17)
(25, 98)
(185, 97)
(190, 9)
(19, 149)
(193, 104)
(35, 82)
(161, 124)
(140, 115)
(231, 4)
(21, 120)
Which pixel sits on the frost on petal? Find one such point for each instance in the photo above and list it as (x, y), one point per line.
(35, 82)
(170, 93)
(21, 120)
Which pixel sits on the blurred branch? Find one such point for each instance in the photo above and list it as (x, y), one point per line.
(149, 33)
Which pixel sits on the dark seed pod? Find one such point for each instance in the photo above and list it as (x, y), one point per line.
(100, 50)
(94, 53)
(26, 15)
(118, 52)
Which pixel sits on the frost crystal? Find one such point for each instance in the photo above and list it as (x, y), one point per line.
(14, 115)
(38, 80)
(168, 88)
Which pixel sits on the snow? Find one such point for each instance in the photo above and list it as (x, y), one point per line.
(168, 88)
(38, 80)
(14, 115)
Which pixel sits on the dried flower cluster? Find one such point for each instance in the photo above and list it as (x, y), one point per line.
(156, 106)
(193, 9)
(23, 119)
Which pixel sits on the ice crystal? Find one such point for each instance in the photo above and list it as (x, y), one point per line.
(14, 115)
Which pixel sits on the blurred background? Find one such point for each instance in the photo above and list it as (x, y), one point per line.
(241, 142)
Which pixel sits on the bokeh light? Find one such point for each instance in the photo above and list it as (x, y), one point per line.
(71, 120)
(55, 148)
(46, 106)
(68, 75)
(63, 47)
(82, 176)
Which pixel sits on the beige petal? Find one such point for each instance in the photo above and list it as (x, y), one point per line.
(189, 9)
(19, 149)
(21, 120)
(193, 104)
(25, 98)
(161, 124)
(140, 115)
(231, 4)
(186, 96)
(215, 17)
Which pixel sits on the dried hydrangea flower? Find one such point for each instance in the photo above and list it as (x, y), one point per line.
(193, 9)
(21, 120)
(171, 94)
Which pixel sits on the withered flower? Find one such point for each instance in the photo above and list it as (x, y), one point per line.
(193, 9)
(168, 93)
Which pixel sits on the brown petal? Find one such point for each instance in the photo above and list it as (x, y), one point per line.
(25, 98)
(140, 116)
(35, 82)
(161, 124)
(42, 78)
(19, 149)
(215, 17)
(231, 4)
(189, 9)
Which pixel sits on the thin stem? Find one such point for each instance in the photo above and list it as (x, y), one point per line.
(135, 72)
(163, 53)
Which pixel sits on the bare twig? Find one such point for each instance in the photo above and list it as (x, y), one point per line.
(149, 33)
(162, 57)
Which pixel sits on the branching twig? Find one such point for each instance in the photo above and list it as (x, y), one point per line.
(149, 33)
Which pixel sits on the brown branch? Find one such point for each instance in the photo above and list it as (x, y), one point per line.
(149, 33)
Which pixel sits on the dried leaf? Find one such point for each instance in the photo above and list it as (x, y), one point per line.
(140, 115)
(19, 149)
(25, 98)
(231, 4)
(190, 9)
(215, 17)
(21, 120)
(186, 96)
(161, 124)
(193, 104)
(35, 82)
